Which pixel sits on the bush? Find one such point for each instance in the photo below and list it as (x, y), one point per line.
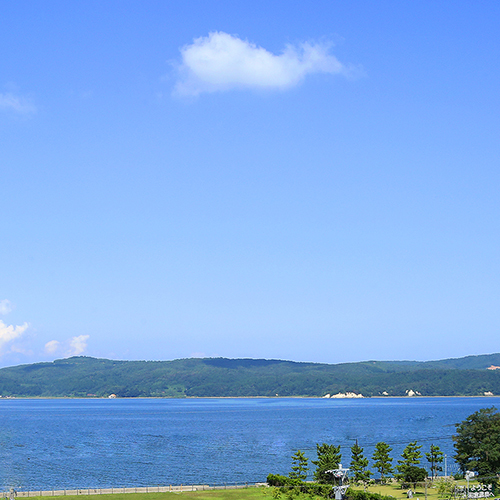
(412, 475)
(277, 480)
(364, 495)
(291, 487)
(445, 487)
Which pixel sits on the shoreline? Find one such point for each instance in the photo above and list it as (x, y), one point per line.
(10, 398)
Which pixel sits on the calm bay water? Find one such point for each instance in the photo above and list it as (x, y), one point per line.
(47, 444)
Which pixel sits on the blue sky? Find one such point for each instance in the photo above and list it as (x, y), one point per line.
(313, 182)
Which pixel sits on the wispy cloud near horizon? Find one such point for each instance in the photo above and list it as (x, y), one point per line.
(78, 345)
(16, 103)
(5, 306)
(221, 61)
(9, 333)
(71, 347)
(52, 346)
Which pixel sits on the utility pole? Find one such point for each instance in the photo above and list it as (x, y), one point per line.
(432, 466)
(468, 475)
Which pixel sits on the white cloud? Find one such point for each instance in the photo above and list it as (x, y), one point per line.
(222, 62)
(78, 345)
(52, 346)
(198, 355)
(5, 306)
(21, 350)
(8, 333)
(16, 103)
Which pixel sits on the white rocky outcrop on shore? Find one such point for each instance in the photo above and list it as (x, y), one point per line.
(344, 395)
(410, 393)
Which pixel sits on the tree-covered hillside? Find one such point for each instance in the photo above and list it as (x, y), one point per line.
(213, 377)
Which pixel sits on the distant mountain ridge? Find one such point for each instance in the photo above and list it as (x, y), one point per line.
(83, 376)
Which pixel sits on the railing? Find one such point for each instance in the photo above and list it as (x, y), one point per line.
(12, 494)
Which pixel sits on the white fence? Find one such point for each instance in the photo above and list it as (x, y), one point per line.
(12, 494)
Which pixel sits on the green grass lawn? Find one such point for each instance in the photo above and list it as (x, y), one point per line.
(237, 494)
(395, 490)
(253, 493)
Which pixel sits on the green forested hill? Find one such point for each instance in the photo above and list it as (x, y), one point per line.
(212, 377)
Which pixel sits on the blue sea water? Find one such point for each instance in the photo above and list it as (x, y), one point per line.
(78, 443)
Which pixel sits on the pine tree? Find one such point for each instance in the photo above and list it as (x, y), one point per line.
(411, 456)
(329, 458)
(382, 460)
(359, 464)
(299, 466)
(435, 457)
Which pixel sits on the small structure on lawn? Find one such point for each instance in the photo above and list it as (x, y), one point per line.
(341, 475)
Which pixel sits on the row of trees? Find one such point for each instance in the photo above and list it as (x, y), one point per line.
(329, 457)
(477, 445)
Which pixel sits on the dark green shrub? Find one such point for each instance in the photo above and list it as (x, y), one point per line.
(364, 495)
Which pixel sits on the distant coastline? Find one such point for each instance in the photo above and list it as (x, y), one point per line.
(180, 398)
(89, 378)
